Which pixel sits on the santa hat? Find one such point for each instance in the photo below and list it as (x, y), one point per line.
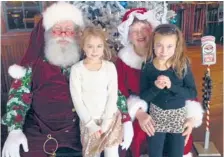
(62, 11)
(139, 13)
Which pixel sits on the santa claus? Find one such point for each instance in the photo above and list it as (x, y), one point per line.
(40, 114)
(135, 31)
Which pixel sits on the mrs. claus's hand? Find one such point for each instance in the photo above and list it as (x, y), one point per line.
(146, 123)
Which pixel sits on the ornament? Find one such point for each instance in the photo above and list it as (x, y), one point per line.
(173, 20)
(207, 86)
(159, 15)
(124, 3)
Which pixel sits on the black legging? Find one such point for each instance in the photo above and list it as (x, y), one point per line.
(175, 144)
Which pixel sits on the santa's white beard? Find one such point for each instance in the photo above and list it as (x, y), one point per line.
(61, 55)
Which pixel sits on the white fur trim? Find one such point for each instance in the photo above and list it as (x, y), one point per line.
(134, 103)
(194, 109)
(123, 28)
(129, 57)
(188, 155)
(61, 11)
(16, 71)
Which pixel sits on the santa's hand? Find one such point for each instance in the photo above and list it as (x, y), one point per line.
(128, 135)
(188, 127)
(13, 142)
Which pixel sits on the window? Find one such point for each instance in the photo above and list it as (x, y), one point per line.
(19, 15)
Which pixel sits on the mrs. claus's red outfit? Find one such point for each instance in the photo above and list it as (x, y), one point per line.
(129, 66)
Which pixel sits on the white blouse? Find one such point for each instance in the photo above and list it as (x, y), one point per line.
(94, 93)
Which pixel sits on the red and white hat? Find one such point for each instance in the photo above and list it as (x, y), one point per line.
(62, 11)
(139, 13)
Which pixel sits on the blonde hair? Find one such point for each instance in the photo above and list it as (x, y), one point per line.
(179, 61)
(97, 32)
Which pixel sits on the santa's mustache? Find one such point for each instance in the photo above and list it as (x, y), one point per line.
(64, 39)
(54, 40)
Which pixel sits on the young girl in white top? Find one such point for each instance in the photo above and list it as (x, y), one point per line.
(94, 91)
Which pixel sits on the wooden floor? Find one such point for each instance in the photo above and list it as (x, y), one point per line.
(216, 108)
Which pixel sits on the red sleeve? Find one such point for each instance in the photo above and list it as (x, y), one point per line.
(121, 70)
(122, 77)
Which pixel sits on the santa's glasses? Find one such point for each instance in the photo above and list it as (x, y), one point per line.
(66, 32)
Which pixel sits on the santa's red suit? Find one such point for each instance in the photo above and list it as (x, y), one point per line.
(40, 103)
(129, 67)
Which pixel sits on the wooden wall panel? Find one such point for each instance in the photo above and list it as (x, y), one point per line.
(12, 50)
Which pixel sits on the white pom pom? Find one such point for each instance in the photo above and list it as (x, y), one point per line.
(194, 109)
(16, 71)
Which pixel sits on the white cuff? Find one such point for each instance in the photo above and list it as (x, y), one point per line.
(194, 109)
(134, 103)
(16, 131)
(16, 71)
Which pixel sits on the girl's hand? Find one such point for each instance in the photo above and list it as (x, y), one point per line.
(188, 127)
(106, 124)
(146, 123)
(166, 80)
(97, 134)
(159, 84)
